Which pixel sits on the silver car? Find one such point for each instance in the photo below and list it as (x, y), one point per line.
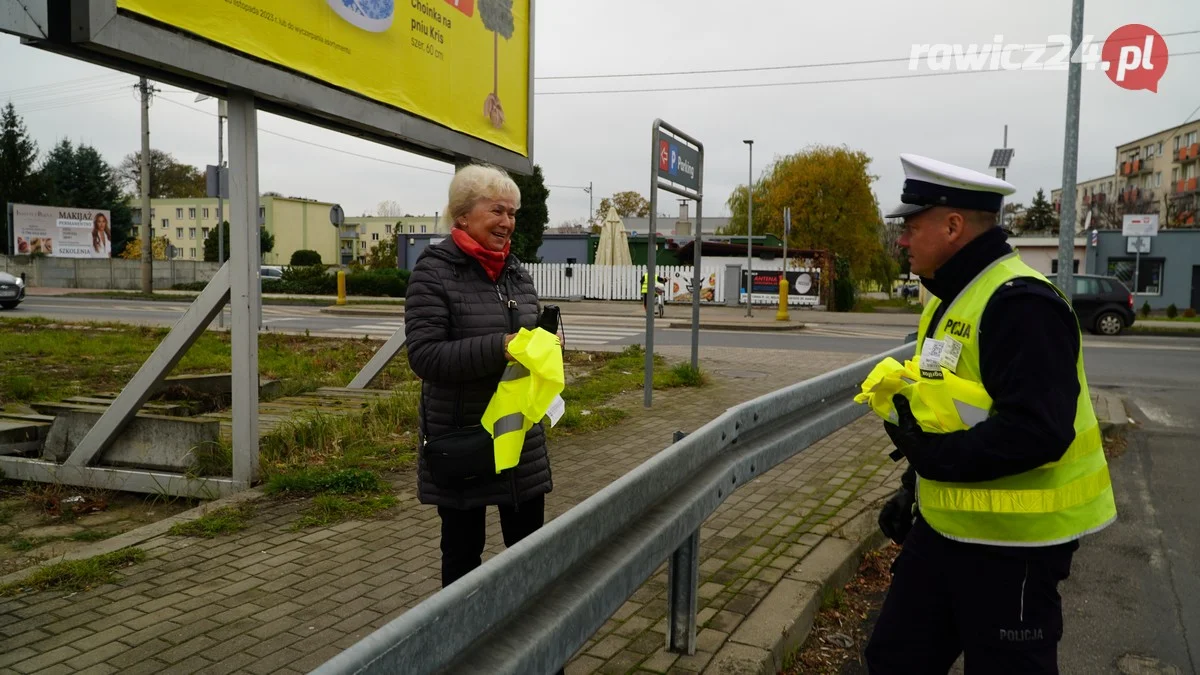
(12, 290)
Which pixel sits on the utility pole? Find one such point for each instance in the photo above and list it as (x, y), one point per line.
(1066, 223)
(147, 219)
(591, 212)
(222, 112)
(749, 231)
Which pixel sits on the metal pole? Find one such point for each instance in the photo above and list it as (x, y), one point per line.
(749, 231)
(1066, 234)
(244, 295)
(147, 219)
(591, 196)
(222, 112)
(651, 273)
(683, 580)
(1001, 173)
(697, 276)
(1137, 267)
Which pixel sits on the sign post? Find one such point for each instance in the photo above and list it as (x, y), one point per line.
(1138, 229)
(677, 166)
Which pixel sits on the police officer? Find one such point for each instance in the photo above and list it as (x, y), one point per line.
(646, 286)
(989, 516)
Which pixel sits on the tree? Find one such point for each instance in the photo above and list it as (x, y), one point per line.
(384, 255)
(497, 16)
(833, 207)
(532, 216)
(266, 242)
(169, 179)
(389, 208)
(18, 170)
(629, 204)
(133, 249)
(1040, 217)
(79, 177)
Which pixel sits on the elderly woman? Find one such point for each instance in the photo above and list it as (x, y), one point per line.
(467, 298)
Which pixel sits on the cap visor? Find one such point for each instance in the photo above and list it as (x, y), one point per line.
(906, 210)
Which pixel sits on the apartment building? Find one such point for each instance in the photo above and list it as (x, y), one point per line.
(359, 235)
(1090, 195)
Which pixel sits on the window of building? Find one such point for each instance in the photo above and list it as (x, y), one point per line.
(179, 233)
(204, 232)
(1148, 151)
(422, 229)
(387, 229)
(1175, 175)
(1189, 171)
(192, 214)
(1149, 277)
(1158, 179)
(166, 224)
(1159, 149)
(135, 232)
(375, 236)
(1177, 139)
(1075, 266)
(153, 232)
(205, 213)
(412, 229)
(363, 244)
(1191, 138)
(192, 253)
(262, 213)
(191, 233)
(178, 214)
(151, 213)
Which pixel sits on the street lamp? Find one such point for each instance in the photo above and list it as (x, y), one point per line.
(749, 229)
(222, 113)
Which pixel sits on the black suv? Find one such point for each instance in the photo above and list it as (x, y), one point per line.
(1104, 305)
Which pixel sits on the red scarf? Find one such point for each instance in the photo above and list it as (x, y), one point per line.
(492, 261)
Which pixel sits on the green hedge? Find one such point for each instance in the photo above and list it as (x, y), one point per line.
(316, 280)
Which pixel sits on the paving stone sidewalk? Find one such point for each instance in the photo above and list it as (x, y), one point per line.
(274, 600)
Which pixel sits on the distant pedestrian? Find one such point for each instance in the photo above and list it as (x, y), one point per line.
(995, 499)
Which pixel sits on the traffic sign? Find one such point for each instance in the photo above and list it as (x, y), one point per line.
(1140, 226)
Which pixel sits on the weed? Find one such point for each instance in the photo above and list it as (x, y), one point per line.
(21, 544)
(330, 509)
(225, 520)
(833, 598)
(17, 388)
(318, 480)
(77, 575)
(7, 511)
(212, 459)
(681, 375)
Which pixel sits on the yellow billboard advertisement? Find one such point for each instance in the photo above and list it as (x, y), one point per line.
(463, 64)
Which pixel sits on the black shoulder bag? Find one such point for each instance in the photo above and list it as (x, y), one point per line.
(465, 457)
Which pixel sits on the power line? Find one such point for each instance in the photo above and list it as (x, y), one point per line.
(318, 145)
(829, 64)
(875, 78)
(58, 85)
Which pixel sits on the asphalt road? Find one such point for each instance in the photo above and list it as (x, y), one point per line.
(1132, 604)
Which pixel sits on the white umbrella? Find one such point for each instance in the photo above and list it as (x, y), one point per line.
(614, 241)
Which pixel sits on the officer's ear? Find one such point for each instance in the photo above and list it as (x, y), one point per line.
(956, 226)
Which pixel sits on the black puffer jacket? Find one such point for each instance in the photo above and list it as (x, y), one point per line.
(455, 321)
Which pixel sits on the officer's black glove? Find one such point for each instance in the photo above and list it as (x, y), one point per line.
(896, 517)
(910, 439)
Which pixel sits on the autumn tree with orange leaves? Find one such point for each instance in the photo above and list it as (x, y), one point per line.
(833, 208)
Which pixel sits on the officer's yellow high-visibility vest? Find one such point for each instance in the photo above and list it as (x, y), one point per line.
(645, 283)
(1054, 503)
(526, 391)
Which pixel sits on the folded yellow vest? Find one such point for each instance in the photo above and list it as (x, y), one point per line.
(526, 391)
(940, 406)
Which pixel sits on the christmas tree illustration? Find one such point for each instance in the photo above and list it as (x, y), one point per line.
(497, 16)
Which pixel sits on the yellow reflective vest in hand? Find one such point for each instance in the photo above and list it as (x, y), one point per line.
(526, 392)
(1057, 502)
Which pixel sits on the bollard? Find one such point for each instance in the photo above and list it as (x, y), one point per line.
(341, 299)
(782, 314)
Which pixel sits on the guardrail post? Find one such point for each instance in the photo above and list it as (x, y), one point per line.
(683, 582)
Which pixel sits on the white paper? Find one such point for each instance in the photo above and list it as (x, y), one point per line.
(557, 407)
(950, 352)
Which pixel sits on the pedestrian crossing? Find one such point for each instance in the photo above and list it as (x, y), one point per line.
(847, 331)
(576, 334)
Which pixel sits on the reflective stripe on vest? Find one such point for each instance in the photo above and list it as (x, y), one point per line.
(1054, 503)
(645, 283)
(524, 393)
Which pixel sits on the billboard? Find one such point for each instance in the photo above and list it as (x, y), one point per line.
(463, 64)
(804, 287)
(61, 232)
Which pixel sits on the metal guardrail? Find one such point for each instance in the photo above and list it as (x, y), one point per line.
(530, 608)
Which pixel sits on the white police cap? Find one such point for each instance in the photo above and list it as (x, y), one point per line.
(930, 182)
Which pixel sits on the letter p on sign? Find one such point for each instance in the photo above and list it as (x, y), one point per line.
(1135, 57)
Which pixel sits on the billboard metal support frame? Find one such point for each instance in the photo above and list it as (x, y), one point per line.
(656, 183)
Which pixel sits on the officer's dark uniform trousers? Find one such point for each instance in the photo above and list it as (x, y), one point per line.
(997, 605)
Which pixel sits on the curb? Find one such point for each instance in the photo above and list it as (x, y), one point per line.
(350, 310)
(782, 621)
(748, 327)
(136, 536)
(1110, 413)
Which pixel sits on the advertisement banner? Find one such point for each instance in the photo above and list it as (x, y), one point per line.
(61, 232)
(679, 287)
(463, 64)
(804, 287)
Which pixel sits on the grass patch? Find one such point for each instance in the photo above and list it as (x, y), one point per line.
(309, 481)
(77, 575)
(1184, 330)
(868, 305)
(7, 511)
(225, 520)
(833, 598)
(86, 358)
(21, 544)
(329, 509)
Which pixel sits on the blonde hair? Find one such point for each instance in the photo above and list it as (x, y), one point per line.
(473, 183)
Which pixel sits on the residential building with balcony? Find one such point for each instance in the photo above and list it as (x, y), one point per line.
(359, 235)
(1090, 196)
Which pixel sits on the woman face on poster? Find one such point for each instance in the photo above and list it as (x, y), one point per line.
(99, 232)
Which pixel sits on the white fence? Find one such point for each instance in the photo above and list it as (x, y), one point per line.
(561, 281)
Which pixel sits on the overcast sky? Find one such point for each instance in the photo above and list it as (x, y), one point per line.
(604, 138)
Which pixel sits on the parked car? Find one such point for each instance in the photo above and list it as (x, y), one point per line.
(1104, 304)
(12, 290)
(270, 272)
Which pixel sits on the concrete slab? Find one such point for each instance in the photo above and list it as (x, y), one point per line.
(739, 659)
(152, 442)
(780, 623)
